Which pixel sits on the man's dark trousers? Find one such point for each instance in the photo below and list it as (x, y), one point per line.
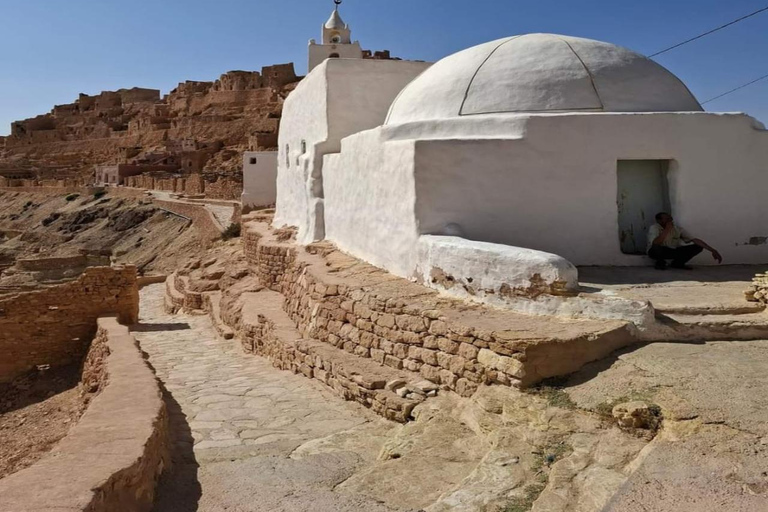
(679, 256)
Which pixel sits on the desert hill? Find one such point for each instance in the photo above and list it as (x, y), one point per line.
(205, 125)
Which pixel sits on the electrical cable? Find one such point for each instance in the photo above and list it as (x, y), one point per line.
(735, 89)
(678, 45)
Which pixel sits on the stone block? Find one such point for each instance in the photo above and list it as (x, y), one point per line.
(501, 363)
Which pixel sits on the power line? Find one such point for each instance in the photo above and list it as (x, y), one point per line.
(710, 32)
(736, 89)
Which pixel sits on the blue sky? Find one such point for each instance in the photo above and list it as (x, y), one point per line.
(55, 49)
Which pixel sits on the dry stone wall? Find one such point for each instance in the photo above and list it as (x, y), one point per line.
(112, 459)
(54, 325)
(406, 326)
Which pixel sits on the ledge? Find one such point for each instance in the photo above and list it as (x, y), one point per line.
(111, 460)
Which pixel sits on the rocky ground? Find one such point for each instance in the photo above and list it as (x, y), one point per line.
(660, 427)
(131, 230)
(36, 411)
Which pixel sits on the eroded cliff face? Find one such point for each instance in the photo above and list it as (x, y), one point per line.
(210, 122)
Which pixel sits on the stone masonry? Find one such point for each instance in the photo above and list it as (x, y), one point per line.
(53, 326)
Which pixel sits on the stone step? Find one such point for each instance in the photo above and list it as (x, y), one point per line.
(747, 308)
(268, 331)
(712, 327)
(174, 298)
(212, 304)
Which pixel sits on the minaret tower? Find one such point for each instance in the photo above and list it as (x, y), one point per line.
(336, 43)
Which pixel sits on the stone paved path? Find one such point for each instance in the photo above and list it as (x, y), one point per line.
(235, 420)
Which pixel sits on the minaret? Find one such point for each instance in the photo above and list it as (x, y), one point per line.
(336, 43)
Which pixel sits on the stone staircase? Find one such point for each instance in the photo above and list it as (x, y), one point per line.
(372, 337)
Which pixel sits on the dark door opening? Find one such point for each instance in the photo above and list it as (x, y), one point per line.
(643, 191)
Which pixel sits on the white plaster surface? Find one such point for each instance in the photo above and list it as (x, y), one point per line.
(484, 267)
(552, 184)
(320, 52)
(542, 73)
(370, 199)
(259, 179)
(340, 97)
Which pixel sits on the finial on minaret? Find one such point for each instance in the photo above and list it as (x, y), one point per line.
(338, 3)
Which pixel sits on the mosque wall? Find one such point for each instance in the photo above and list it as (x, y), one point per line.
(555, 190)
(304, 123)
(337, 99)
(370, 198)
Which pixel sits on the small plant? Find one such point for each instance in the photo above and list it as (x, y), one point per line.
(28, 204)
(99, 194)
(524, 503)
(71, 197)
(233, 231)
(551, 390)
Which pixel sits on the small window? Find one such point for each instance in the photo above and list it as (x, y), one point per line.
(335, 39)
(303, 147)
(333, 56)
(288, 156)
(252, 160)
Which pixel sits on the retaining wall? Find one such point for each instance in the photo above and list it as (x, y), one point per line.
(54, 325)
(407, 326)
(207, 226)
(112, 459)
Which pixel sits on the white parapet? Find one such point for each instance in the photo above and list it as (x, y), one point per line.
(516, 278)
(480, 269)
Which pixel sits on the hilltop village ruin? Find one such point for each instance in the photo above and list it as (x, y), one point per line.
(389, 285)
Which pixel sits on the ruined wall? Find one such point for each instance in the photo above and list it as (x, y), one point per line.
(96, 130)
(54, 325)
(112, 459)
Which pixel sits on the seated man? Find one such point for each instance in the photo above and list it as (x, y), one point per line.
(665, 242)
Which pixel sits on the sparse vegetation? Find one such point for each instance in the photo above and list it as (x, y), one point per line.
(552, 391)
(524, 503)
(99, 194)
(543, 460)
(71, 197)
(605, 409)
(233, 231)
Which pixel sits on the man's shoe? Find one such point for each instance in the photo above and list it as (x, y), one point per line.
(660, 265)
(681, 266)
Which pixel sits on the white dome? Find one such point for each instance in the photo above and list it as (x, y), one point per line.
(541, 73)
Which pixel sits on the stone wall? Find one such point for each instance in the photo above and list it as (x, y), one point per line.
(112, 459)
(192, 185)
(207, 226)
(407, 326)
(54, 325)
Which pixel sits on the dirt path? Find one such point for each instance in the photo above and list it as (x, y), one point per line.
(235, 420)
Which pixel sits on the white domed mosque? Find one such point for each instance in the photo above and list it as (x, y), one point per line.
(494, 171)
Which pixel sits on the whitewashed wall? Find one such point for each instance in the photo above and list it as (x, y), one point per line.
(553, 188)
(370, 198)
(338, 98)
(259, 179)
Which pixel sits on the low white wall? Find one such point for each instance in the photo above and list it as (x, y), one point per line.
(259, 179)
(340, 97)
(552, 186)
(469, 268)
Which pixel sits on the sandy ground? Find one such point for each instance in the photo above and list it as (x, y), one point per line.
(36, 411)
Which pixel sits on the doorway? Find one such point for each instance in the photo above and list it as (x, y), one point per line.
(643, 191)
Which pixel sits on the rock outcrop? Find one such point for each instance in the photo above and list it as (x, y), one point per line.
(205, 124)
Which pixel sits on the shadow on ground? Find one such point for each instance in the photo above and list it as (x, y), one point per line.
(179, 489)
(649, 275)
(181, 326)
